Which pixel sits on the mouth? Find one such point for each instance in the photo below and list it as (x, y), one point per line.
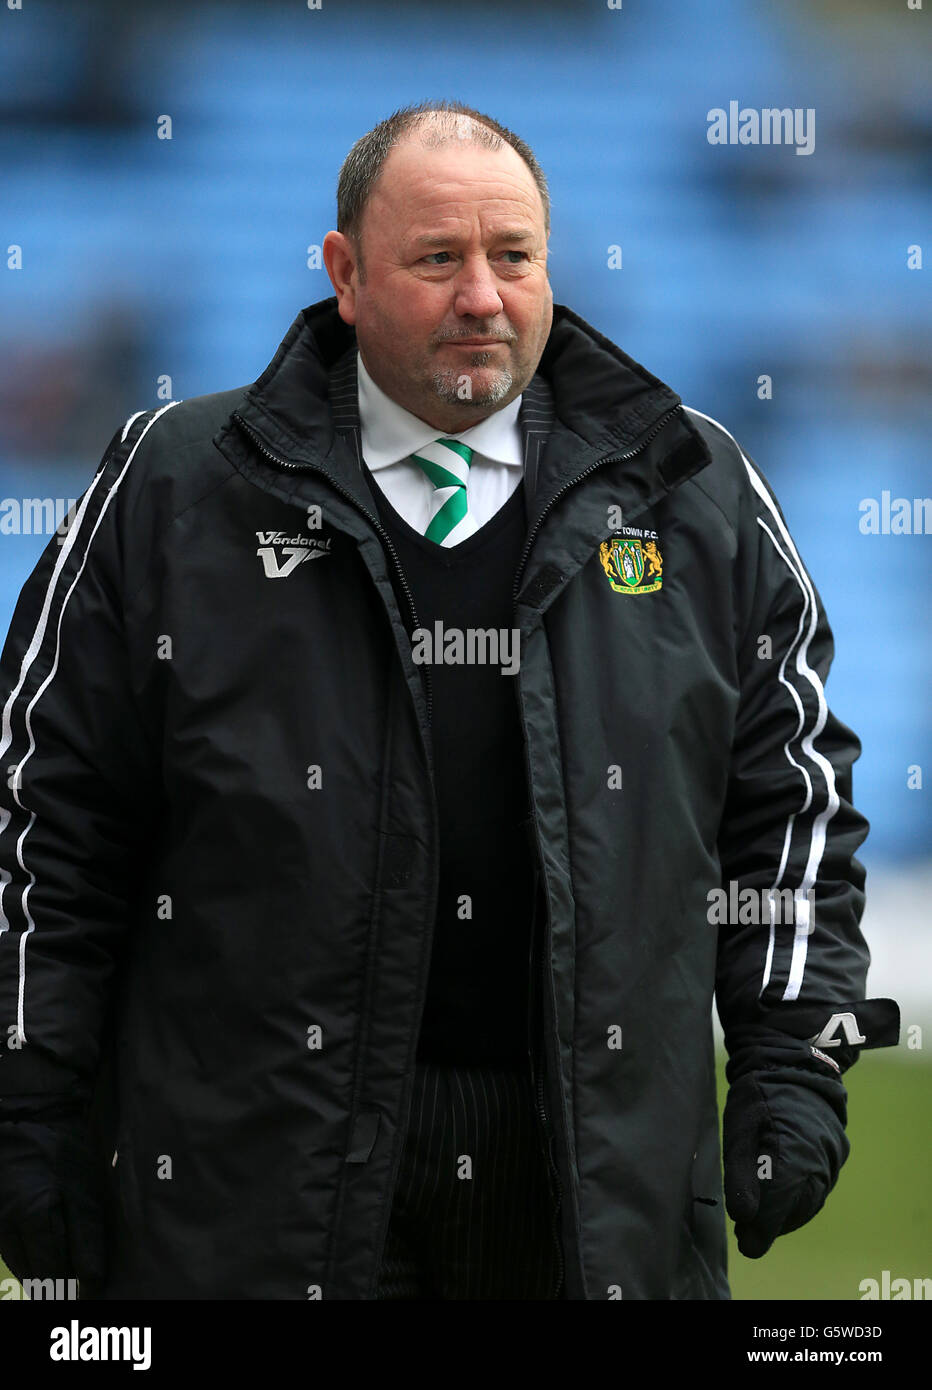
(475, 342)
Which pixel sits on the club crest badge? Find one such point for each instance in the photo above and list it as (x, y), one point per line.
(632, 561)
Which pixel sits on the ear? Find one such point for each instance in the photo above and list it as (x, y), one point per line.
(340, 260)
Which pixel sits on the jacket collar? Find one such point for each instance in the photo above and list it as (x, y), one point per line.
(604, 404)
(535, 416)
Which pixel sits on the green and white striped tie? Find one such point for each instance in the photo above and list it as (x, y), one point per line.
(446, 463)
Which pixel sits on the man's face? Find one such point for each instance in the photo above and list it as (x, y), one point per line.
(456, 306)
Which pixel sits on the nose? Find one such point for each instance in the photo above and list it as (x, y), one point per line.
(476, 293)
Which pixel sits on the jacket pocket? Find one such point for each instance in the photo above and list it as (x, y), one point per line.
(693, 1277)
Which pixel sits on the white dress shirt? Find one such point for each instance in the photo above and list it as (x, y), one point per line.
(390, 434)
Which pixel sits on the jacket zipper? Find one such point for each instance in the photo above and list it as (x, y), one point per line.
(558, 1205)
(537, 1073)
(545, 1129)
(376, 524)
(599, 463)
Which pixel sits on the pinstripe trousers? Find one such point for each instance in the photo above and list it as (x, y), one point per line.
(473, 1215)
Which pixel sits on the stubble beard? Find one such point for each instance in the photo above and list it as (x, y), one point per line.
(448, 384)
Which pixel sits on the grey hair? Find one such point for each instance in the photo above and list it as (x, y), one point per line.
(363, 165)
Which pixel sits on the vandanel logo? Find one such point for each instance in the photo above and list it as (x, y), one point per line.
(632, 561)
(281, 555)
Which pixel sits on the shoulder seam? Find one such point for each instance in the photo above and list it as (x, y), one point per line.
(698, 483)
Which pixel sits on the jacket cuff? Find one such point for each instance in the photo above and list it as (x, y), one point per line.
(32, 1072)
(43, 1109)
(824, 1040)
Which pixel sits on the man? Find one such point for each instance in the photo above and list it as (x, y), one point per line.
(402, 752)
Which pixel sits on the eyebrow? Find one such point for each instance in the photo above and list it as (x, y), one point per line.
(436, 239)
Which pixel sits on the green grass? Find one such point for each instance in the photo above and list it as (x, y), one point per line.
(879, 1215)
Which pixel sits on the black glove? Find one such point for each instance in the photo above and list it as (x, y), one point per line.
(51, 1218)
(795, 1119)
